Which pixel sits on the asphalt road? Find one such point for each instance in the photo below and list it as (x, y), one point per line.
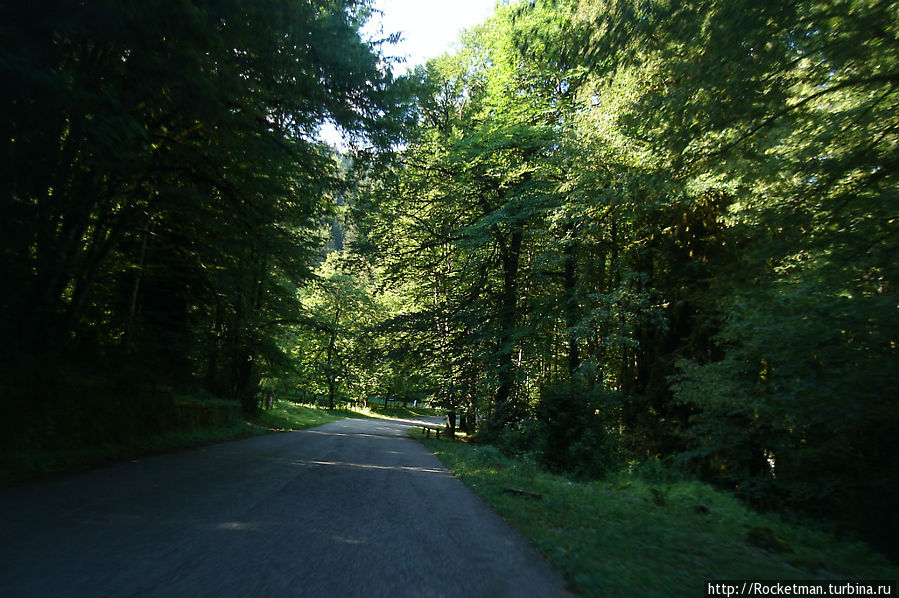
(352, 508)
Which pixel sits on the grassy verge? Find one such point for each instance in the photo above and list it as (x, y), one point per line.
(286, 416)
(638, 536)
(377, 410)
(18, 466)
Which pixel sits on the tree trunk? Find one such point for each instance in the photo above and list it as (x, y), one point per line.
(569, 282)
(451, 423)
(135, 291)
(504, 409)
(242, 372)
(332, 384)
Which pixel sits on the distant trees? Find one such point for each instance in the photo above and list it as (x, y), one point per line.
(683, 210)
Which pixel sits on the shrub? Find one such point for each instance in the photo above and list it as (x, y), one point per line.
(572, 431)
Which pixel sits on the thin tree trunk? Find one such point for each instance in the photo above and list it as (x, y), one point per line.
(135, 291)
(508, 316)
(569, 281)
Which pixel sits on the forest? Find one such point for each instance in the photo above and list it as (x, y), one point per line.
(597, 233)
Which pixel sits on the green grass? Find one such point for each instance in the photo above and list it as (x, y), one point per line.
(292, 416)
(287, 416)
(628, 536)
(378, 410)
(18, 466)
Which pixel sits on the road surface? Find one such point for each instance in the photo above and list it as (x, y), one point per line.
(352, 508)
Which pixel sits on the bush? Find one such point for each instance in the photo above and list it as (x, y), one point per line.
(572, 432)
(517, 439)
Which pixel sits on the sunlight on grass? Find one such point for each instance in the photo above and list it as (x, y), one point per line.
(292, 416)
(295, 416)
(378, 411)
(628, 536)
(17, 466)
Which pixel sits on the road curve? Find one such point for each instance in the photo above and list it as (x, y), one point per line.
(352, 508)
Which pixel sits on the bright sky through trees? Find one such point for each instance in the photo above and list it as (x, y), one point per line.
(429, 27)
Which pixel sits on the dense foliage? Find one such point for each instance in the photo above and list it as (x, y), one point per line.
(684, 210)
(163, 193)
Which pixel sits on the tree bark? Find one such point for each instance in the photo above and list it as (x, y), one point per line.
(510, 255)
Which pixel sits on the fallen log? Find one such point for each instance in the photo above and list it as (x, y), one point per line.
(522, 492)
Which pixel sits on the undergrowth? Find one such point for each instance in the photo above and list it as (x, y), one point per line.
(647, 533)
